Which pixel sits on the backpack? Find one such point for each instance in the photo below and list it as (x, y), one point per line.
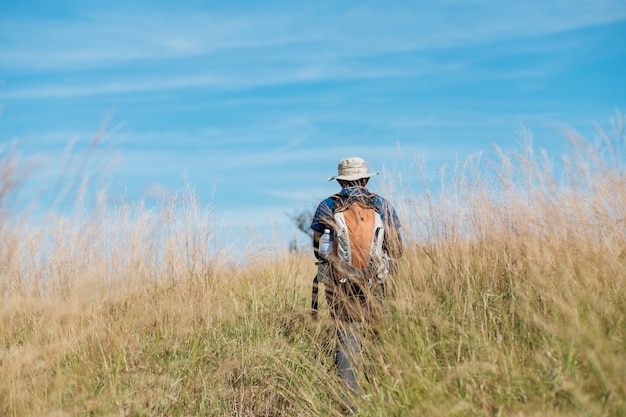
(358, 261)
(358, 240)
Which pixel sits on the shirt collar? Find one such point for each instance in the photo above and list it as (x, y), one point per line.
(356, 190)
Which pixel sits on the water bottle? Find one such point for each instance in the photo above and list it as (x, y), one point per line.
(325, 244)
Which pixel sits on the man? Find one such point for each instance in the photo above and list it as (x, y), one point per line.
(352, 294)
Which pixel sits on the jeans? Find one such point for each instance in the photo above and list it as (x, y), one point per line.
(348, 352)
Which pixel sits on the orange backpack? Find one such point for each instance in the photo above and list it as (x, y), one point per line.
(358, 260)
(358, 238)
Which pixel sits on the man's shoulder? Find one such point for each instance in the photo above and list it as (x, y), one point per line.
(322, 215)
(380, 200)
(325, 207)
(330, 200)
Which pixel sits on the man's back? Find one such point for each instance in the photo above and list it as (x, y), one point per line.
(365, 234)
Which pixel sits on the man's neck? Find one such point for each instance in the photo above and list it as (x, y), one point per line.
(354, 188)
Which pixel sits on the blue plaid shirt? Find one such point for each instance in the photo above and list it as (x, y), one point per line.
(323, 217)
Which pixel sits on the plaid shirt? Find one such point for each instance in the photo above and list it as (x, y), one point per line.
(323, 217)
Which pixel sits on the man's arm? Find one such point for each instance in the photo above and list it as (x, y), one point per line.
(393, 242)
(316, 244)
(322, 215)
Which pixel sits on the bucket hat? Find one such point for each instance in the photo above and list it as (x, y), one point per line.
(351, 169)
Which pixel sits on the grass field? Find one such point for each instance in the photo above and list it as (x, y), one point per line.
(510, 301)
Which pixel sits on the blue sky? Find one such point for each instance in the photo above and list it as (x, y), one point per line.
(255, 102)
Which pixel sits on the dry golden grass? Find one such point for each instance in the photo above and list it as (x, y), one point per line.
(510, 300)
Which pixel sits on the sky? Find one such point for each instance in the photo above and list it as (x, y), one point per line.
(252, 104)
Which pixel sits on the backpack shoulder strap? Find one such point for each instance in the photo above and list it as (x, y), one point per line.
(343, 201)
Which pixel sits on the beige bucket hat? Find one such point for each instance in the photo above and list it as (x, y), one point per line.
(353, 168)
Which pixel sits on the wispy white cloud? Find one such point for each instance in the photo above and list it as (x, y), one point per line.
(351, 30)
(221, 50)
(89, 88)
(224, 80)
(156, 190)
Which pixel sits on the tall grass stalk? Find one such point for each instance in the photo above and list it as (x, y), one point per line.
(510, 300)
